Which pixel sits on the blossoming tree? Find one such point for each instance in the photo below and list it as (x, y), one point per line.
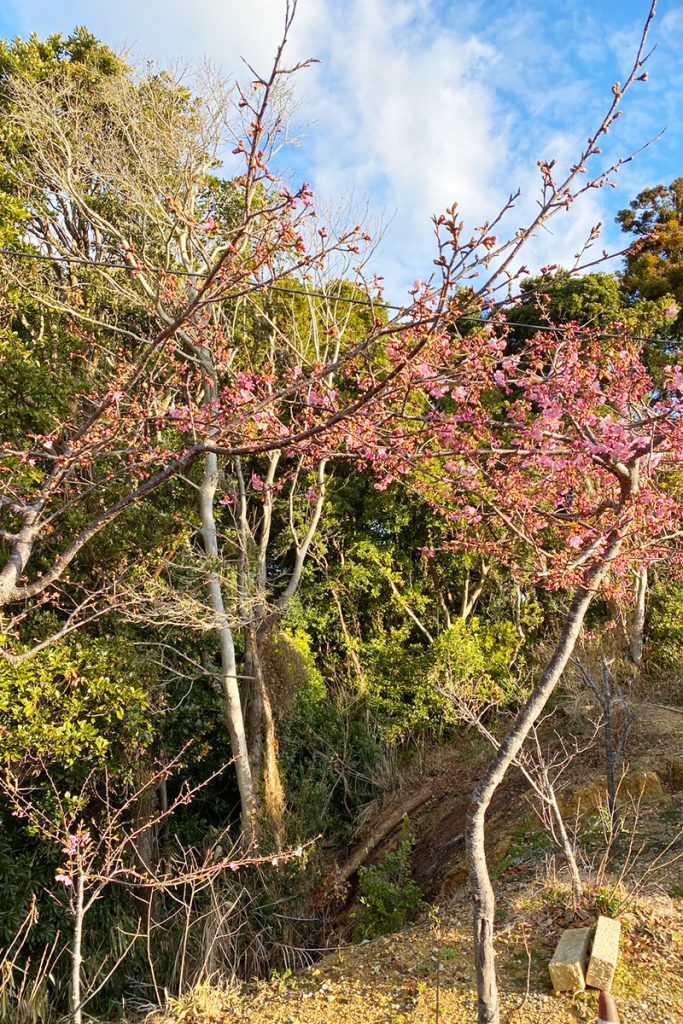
(144, 262)
(561, 462)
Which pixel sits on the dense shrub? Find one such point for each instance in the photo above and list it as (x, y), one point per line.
(387, 892)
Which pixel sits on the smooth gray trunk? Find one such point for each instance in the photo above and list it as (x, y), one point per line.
(480, 880)
(77, 953)
(228, 663)
(638, 627)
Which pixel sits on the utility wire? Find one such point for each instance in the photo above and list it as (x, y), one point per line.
(79, 261)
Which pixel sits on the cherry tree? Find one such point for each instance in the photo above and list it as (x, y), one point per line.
(556, 462)
(98, 835)
(148, 261)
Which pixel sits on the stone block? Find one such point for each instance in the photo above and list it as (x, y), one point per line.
(604, 954)
(569, 960)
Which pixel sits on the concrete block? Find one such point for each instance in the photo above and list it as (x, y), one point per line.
(569, 960)
(604, 954)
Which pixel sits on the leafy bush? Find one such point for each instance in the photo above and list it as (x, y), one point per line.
(330, 747)
(84, 701)
(387, 892)
(664, 651)
(410, 686)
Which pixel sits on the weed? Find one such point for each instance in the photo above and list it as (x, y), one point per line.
(609, 900)
(387, 892)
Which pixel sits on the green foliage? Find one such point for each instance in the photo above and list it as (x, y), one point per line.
(26, 870)
(593, 298)
(37, 382)
(609, 900)
(81, 58)
(384, 617)
(654, 269)
(38, 59)
(601, 300)
(475, 659)
(83, 702)
(664, 648)
(331, 745)
(387, 892)
(412, 687)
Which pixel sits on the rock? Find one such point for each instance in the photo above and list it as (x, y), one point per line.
(635, 785)
(567, 965)
(640, 784)
(585, 798)
(676, 773)
(604, 954)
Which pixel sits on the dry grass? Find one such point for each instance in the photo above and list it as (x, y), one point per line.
(396, 979)
(401, 978)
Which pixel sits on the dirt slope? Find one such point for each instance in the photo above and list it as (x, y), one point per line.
(402, 978)
(394, 979)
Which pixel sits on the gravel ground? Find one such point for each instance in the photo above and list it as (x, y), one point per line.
(393, 980)
(424, 974)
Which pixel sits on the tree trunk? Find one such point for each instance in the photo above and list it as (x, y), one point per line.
(638, 627)
(145, 811)
(273, 789)
(77, 953)
(263, 743)
(386, 824)
(610, 752)
(471, 597)
(145, 845)
(228, 663)
(558, 828)
(480, 881)
(565, 843)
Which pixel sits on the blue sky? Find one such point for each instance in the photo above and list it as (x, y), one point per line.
(417, 103)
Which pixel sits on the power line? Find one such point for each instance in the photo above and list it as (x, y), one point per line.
(350, 300)
(80, 261)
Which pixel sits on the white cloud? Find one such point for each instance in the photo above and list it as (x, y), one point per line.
(406, 114)
(416, 103)
(225, 30)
